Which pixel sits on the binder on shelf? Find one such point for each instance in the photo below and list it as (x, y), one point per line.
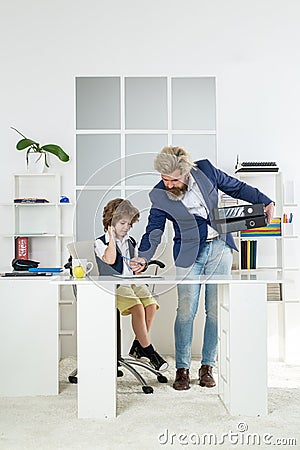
(248, 254)
(254, 244)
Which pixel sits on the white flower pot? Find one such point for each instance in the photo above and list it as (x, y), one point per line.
(36, 162)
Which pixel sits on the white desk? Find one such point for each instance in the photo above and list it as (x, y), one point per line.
(242, 337)
(28, 336)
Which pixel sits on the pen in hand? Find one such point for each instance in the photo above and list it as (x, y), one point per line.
(132, 260)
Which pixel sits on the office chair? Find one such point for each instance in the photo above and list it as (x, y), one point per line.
(85, 249)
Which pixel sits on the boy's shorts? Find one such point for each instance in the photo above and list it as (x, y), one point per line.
(129, 296)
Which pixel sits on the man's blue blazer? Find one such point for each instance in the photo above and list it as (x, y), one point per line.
(190, 231)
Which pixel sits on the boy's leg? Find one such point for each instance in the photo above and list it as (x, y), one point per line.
(139, 325)
(149, 302)
(150, 306)
(150, 311)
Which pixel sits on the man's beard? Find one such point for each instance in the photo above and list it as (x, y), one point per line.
(176, 193)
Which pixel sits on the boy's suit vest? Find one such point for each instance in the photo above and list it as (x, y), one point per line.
(117, 267)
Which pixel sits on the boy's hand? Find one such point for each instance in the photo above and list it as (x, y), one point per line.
(111, 232)
(137, 265)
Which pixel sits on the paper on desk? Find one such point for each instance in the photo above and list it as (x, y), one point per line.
(136, 276)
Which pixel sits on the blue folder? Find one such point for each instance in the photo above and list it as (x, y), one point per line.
(45, 269)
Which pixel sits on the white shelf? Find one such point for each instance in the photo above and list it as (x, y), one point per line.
(34, 175)
(66, 332)
(66, 302)
(256, 174)
(36, 204)
(253, 238)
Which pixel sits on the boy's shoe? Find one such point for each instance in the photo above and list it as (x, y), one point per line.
(155, 360)
(158, 362)
(136, 351)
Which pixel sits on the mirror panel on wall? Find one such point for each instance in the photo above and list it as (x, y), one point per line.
(194, 103)
(199, 146)
(146, 103)
(89, 209)
(97, 103)
(140, 151)
(122, 123)
(98, 159)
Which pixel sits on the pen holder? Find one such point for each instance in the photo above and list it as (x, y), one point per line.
(288, 229)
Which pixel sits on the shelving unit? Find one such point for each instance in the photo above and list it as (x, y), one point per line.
(40, 222)
(276, 253)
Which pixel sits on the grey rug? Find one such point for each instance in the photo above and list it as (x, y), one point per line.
(165, 419)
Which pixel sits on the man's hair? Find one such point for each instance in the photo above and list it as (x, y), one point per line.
(116, 210)
(173, 158)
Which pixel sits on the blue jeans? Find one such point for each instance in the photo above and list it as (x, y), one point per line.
(215, 259)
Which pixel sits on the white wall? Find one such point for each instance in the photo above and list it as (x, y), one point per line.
(252, 47)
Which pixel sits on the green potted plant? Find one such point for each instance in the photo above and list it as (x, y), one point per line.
(35, 147)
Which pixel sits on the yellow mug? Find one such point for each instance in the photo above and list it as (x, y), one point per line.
(81, 267)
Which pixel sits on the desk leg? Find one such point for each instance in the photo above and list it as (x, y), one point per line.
(96, 351)
(243, 348)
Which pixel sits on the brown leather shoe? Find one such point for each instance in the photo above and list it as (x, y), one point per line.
(206, 378)
(182, 380)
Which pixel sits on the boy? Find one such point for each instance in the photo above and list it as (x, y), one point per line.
(113, 251)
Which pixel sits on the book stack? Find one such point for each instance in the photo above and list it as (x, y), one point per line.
(226, 200)
(248, 254)
(274, 292)
(273, 229)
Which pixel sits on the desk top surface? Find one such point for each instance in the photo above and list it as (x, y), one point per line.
(259, 277)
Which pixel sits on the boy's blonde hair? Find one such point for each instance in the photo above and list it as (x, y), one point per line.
(117, 209)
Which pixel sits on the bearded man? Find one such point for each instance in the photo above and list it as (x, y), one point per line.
(187, 195)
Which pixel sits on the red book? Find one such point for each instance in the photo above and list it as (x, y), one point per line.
(21, 250)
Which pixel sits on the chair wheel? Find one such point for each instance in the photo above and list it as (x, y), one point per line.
(73, 379)
(119, 373)
(162, 379)
(147, 389)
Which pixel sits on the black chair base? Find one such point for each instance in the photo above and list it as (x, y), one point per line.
(127, 363)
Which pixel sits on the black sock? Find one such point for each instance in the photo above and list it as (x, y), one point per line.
(149, 350)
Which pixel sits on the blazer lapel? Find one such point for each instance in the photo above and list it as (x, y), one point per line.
(207, 189)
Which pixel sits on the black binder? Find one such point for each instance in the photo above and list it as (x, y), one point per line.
(238, 218)
(233, 213)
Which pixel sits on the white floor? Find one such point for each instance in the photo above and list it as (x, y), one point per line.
(165, 419)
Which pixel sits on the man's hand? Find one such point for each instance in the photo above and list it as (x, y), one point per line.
(138, 265)
(269, 210)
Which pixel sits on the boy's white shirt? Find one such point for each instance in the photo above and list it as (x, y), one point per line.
(123, 246)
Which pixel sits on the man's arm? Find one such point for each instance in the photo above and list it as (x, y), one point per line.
(243, 191)
(153, 234)
(238, 189)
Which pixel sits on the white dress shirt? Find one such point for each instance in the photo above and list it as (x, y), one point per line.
(123, 246)
(193, 200)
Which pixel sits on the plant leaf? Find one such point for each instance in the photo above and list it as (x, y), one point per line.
(57, 151)
(24, 143)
